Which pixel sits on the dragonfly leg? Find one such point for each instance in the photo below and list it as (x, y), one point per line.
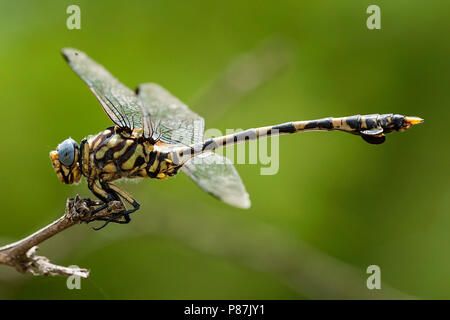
(114, 218)
(110, 192)
(125, 195)
(101, 194)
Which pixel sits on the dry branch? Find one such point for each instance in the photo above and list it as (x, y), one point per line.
(21, 254)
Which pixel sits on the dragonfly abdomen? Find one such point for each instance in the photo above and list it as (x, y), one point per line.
(347, 124)
(370, 127)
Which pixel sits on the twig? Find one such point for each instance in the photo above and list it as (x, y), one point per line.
(21, 254)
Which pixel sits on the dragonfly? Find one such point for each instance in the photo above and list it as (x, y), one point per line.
(155, 135)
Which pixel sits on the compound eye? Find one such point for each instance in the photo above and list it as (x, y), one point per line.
(66, 152)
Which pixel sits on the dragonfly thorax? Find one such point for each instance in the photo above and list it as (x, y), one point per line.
(114, 154)
(65, 161)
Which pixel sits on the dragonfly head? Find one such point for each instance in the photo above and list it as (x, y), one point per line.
(65, 161)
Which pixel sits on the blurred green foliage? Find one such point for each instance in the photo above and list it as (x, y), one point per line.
(361, 204)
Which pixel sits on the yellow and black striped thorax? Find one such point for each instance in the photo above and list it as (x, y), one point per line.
(116, 153)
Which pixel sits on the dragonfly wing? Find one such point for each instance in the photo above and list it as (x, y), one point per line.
(216, 175)
(175, 122)
(119, 102)
(212, 172)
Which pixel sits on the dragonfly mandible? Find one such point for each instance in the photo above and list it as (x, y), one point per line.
(155, 135)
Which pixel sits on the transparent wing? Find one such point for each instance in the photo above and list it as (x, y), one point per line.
(172, 119)
(119, 102)
(216, 175)
(213, 173)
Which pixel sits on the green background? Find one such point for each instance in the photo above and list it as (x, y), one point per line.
(337, 204)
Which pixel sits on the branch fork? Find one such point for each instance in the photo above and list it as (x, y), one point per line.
(21, 255)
